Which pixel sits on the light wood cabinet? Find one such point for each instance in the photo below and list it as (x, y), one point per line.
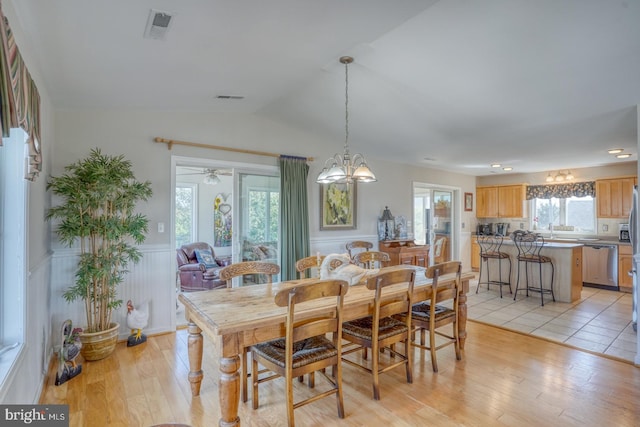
(614, 197)
(405, 252)
(503, 201)
(625, 265)
(475, 254)
(486, 202)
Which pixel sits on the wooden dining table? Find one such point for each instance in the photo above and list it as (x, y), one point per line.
(236, 318)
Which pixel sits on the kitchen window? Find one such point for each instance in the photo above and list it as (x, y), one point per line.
(568, 215)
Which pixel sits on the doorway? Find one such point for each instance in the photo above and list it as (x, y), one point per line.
(435, 217)
(232, 206)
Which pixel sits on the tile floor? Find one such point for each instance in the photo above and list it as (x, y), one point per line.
(599, 322)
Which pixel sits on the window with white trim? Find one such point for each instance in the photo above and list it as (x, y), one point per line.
(13, 260)
(569, 215)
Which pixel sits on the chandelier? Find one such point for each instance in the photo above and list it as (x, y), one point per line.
(345, 168)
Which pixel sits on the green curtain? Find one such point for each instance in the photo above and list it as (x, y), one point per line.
(294, 216)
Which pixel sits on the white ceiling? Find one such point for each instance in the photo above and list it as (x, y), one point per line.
(536, 85)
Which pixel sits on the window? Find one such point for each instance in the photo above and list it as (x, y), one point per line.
(573, 214)
(186, 203)
(264, 213)
(13, 259)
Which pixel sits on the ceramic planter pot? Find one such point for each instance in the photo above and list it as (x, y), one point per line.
(99, 345)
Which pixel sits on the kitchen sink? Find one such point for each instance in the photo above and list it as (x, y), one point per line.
(588, 240)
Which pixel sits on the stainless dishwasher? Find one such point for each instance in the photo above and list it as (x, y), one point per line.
(600, 266)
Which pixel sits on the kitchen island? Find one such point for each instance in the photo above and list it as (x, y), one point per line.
(567, 262)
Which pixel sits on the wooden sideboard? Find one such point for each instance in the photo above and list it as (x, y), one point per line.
(405, 252)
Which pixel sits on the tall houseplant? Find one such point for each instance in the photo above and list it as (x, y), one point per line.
(99, 195)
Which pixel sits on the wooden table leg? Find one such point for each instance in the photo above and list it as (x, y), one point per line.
(462, 313)
(195, 358)
(229, 391)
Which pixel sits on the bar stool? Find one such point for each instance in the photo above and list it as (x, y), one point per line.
(529, 246)
(490, 249)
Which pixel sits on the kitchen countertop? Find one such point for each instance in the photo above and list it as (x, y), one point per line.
(608, 240)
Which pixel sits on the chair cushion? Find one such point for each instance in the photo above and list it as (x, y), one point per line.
(304, 352)
(423, 310)
(206, 258)
(361, 328)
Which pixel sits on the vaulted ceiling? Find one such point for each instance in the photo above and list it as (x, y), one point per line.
(451, 84)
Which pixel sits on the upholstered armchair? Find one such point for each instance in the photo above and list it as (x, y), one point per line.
(199, 268)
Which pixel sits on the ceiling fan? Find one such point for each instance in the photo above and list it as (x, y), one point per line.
(211, 176)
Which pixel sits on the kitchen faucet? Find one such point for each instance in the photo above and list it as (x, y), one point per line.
(551, 230)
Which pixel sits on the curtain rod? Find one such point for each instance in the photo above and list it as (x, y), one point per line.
(170, 143)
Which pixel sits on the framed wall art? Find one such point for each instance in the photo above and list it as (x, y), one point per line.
(338, 206)
(222, 221)
(468, 202)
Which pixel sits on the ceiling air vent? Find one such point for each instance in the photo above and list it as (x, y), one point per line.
(158, 25)
(230, 97)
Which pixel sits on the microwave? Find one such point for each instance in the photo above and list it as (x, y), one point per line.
(623, 233)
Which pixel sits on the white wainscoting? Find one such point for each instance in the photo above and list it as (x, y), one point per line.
(153, 279)
(336, 244)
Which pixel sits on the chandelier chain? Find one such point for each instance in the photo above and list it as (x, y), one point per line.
(346, 106)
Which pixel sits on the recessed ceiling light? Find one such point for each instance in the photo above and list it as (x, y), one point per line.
(615, 151)
(623, 156)
(508, 168)
(496, 165)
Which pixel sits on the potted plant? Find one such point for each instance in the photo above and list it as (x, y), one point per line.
(99, 194)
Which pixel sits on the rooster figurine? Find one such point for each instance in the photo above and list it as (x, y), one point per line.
(137, 319)
(69, 350)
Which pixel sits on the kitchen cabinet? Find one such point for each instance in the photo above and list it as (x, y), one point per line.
(625, 264)
(501, 201)
(405, 252)
(475, 254)
(614, 197)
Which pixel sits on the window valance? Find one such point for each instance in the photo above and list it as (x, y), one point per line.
(19, 98)
(561, 191)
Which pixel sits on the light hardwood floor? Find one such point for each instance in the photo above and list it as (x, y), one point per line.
(504, 379)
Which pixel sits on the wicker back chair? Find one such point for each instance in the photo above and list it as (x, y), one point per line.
(430, 315)
(382, 329)
(305, 348)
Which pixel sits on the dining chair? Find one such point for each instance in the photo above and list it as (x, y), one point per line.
(431, 315)
(357, 246)
(241, 269)
(305, 348)
(307, 263)
(393, 296)
(371, 259)
(249, 267)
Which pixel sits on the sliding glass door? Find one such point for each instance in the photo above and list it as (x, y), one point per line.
(258, 228)
(433, 219)
(234, 207)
